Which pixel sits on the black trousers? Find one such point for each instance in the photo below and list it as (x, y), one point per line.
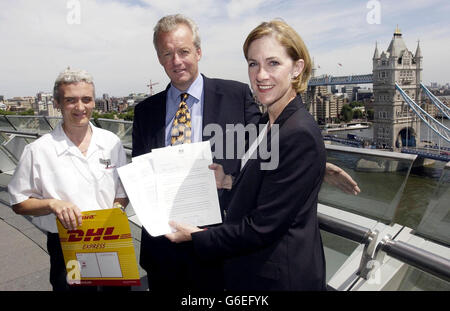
(58, 271)
(175, 268)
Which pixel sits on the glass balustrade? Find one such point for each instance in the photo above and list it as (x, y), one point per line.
(417, 280)
(380, 175)
(337, 250)
(435, 223)
(123, 129)
(5, 125)
(16, 144)
(35, 124)
(53, 121)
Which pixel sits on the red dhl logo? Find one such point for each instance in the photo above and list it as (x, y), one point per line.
(95, 234)
(84, 217)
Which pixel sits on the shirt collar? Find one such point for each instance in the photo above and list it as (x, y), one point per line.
(63, 143)
(194, 90)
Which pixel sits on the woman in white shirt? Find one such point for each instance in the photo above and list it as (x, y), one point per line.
(69, 170)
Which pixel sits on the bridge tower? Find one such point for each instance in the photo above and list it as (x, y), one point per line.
(395, 125)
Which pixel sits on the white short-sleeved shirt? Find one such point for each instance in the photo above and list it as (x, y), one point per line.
(53, 167)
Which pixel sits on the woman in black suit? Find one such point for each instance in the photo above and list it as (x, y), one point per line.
(270, 239)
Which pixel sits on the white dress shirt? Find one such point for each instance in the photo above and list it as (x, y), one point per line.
(53, 167)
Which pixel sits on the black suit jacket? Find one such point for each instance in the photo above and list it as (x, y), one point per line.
(225, 102)
(271, 238)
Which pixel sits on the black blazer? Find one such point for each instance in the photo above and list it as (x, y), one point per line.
(225, 102)
(271, 238)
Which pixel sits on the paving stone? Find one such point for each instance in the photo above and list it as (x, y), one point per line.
(37, 236)
(36, 281)
(20, 222)
(6, 212)
(21, 257)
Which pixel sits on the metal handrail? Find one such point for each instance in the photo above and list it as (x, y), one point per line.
(356, 233)
(344, 228)
(416, 257)
(409, 254)
(22, 134)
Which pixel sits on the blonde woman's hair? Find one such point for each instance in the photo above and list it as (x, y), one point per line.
(293, 43)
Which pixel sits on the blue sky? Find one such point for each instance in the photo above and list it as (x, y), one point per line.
(114, 38)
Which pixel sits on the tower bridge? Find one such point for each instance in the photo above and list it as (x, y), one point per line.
(341, 80)
(398, 96)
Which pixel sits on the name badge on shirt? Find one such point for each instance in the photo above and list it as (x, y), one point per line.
(106, 162)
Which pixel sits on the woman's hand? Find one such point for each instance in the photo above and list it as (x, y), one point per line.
(223, 181)
(183, 233)
(337, 177)
(67, 213)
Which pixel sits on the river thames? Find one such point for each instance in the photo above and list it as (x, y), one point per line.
(421, 184)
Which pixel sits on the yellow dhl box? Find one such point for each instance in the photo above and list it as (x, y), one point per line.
(100, 251)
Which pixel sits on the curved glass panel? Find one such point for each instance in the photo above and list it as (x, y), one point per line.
(417, 280)
(3, 138)
(123, 129)
(5, 125)
(16, 145)
(31, 124)
(337, 250)
(4, 180)
(53, 121)
(435, 223)
(380, 175)
(6, 162)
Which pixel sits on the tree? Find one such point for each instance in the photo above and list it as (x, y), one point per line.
(346, 113)
(28, 112)
(357, 114)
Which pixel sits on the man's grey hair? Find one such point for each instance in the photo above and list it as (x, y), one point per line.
(71, 76)
(170, 22)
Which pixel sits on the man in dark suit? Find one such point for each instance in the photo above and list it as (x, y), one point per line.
(210, 101)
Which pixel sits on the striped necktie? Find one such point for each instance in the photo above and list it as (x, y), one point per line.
(181, 128)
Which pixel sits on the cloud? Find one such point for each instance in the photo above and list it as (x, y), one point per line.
(114, 39)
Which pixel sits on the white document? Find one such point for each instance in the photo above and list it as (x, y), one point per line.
(99, 265)
(109, 265)
(88, 265)
(139, 180)
(172, 183)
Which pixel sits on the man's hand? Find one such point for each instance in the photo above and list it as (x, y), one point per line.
(183, 233)
(222, 181)
(69, 214)
(337, 177)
